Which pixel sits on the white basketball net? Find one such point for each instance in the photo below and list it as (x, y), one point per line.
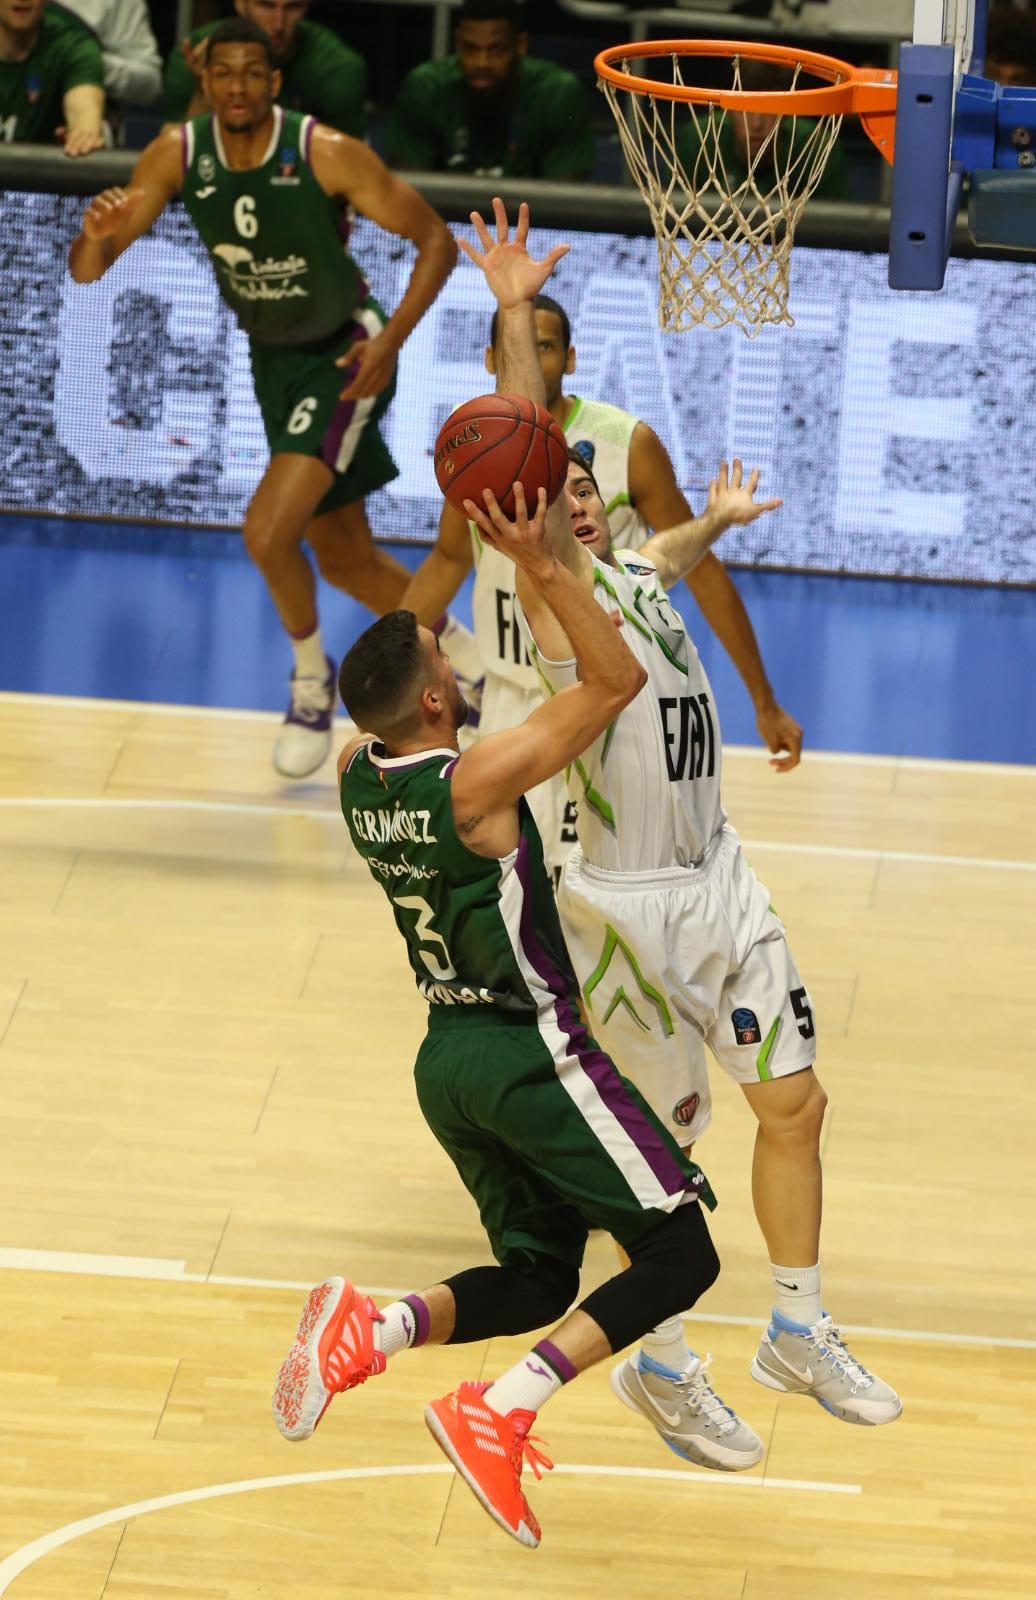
(724, 246)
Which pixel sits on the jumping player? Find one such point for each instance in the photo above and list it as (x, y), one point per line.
(544, 1133)
(672, 935)
(639, 486)
(267, 190)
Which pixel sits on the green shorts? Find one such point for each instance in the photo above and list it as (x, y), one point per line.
(297, 387)
(546, 1135)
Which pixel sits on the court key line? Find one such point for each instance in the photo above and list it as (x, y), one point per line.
(19, 1560)
(166, 1270)
(321, 814)
(167, 708)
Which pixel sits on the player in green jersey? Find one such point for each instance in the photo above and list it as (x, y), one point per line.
(491, 107)
(267, 190)
(319, 73)
(51, 78)
(544, 1133)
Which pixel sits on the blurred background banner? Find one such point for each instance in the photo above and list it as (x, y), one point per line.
(131, 398)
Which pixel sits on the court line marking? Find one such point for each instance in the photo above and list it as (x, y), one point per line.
(165, 708)
(167, 1270)
(28, 1554)
(322, 814)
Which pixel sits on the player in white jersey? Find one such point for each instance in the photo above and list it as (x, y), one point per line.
(639, 486)
(671, 934)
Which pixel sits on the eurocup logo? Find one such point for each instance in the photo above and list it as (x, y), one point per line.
(448, 465)
(206, 168)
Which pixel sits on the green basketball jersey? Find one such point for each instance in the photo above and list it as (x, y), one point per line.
(276, 240)
(478, 931)
(32, 91)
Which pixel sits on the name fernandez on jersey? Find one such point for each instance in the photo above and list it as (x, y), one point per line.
(393, 827)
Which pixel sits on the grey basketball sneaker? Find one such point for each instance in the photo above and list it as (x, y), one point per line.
(688, 1413)
(816, 1362)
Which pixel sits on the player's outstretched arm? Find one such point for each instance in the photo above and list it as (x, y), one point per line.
(490, 777)
(348, 169)
(730, 503)
(116, 217)
(515, 279)
(663, 505)
(436, 581)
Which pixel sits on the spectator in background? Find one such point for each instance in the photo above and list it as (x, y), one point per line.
(491, 108)
(319, 74)
(1011, 45)
(51, 78)
(743, 135)
(132, 64)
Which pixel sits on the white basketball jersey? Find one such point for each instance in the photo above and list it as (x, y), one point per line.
(648, 790)
(602, 434)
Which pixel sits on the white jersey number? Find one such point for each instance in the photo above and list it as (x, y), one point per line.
(302, 415)
(427, 935)
(245, 220)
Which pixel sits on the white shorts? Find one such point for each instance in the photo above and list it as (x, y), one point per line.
(671, 961)
(505, 705)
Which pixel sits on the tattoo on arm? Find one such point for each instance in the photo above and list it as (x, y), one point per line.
(468, 825)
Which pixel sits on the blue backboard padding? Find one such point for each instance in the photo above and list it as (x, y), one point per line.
(919, 230)
(1002, 207)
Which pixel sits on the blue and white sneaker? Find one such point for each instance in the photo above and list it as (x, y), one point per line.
(815, 1361)
(687, 1412)
(305, 736)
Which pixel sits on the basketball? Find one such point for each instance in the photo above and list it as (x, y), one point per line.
(494, 442)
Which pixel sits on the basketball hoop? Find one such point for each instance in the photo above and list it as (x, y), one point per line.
(724, 242)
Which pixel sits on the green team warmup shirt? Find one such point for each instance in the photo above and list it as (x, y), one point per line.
(541, 130)
(323, 76)
(275, 239)
(32, 91)
(791, 137)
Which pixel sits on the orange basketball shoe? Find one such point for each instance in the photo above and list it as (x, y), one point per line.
(334, 1350)
(487, 1450)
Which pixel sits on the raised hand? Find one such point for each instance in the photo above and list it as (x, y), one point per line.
(523, 540)
(511, 272)
(732, 500)
(108, 210)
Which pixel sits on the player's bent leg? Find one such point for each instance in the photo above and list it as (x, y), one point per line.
(288, 493)
(802, 1351)
(350, 560)
(787, 1184)
(677, 1398)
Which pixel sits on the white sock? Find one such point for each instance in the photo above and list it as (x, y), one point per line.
(797, 1293)
(530, 1384)
(666, 1345)
(400, 1328)
(310, 660)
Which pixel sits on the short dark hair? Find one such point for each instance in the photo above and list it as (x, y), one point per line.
(580, 460)
(542, 302)
(380, 673)
(512, 11)
(239, 30)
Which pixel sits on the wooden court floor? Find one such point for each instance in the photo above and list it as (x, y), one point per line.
(206, 1037)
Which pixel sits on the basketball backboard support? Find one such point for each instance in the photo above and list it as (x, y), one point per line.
(952, 123)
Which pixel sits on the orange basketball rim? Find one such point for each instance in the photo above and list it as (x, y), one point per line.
(866, 92)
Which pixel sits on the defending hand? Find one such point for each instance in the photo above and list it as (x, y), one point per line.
(732, 501)
(511, 272)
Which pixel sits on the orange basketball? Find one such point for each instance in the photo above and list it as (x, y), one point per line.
(494, 442)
